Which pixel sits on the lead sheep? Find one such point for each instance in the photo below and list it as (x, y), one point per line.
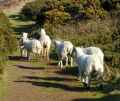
(95, 50)
(87, 64)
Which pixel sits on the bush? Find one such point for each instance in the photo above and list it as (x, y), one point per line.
(63, 9)
(8, 42)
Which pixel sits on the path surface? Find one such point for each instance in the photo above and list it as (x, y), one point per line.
(26, 83)
(36, 82)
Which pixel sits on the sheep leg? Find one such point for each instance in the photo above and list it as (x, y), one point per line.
(48, 51)
(48, 54)
(87, 82)
(60, 64)
(66, 61)
(79, 74)
(71, 61)
(42, 52)
(23, 53)
(28, 55)
(45, 53)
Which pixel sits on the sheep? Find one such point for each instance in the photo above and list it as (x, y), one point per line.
(25, 45)
(30, 45)
(45, 42)
(63, 49)
(87, 64)
(95, 50)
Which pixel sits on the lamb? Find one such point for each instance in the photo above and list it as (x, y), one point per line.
(87, 64)
(63, 49)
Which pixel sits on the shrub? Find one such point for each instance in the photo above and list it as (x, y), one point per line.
(8, 42)
(76, 10)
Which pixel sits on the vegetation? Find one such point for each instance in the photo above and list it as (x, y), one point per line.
(91, 22)
(7, 40)
(84, 22)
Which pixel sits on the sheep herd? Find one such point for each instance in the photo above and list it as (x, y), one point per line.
(87, 59)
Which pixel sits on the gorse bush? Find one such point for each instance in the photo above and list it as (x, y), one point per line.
(62, 10)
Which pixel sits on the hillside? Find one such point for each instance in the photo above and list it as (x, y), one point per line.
(84, 24)
(91, 22)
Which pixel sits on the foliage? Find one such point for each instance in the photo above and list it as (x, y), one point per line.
(8, 41)
(91, 22)
(64, 9)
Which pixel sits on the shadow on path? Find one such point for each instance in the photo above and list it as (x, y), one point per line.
(17, 58)
(55, 82)
(29, 67)
(50, 78)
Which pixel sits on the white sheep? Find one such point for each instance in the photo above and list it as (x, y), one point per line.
(45, 42)
(30, 46)
(95, 50)
(87, 64)
(63, 49)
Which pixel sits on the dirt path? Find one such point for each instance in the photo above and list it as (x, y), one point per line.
(26, 83)
(38, 83)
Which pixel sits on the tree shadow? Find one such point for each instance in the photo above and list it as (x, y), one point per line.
(73, 71)
(60, 82)
(17, 58)
(50, 78)
(48, 84)
(29, 67)
(53, 63)
(109, 97)
(24, 28)
(15, 17)
(19, 17)
(55, 82)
